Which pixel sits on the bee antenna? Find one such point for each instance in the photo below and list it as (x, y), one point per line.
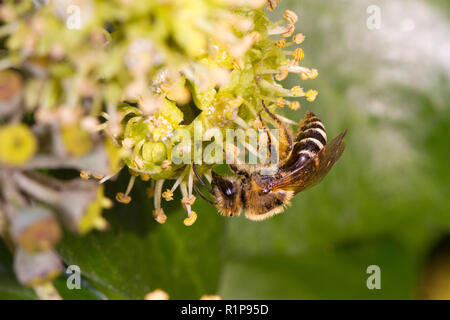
(200, 179)
(268, 111)
(202, 195)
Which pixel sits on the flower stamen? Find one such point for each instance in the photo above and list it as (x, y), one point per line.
(283, 73)
(281, 102)
(167, 195)
(85, 175)
(290, 16)
(298, 38)
(298, 54)
(158, 213)
(311, 95)
(294, 105)
(297, 91)
(189, 221)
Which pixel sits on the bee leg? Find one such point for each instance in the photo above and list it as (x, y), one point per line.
(237, 171)
(285, 141)
(202, 195)
(269, 138)
(200, 179)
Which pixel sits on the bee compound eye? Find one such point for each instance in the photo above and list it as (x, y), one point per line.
(229, 192)
(228, 188)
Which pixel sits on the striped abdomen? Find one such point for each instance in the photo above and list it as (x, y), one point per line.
(311, 138)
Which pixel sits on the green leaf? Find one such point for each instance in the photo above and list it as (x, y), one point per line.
(86, 291)
(339, 273)
(137, 255)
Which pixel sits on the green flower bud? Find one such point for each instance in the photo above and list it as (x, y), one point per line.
(154, 152)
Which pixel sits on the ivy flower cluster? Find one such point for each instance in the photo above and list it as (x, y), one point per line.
(97, 86)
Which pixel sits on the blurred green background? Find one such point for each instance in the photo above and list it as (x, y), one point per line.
(385, 203)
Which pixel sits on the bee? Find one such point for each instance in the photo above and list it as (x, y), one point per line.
(305, 158)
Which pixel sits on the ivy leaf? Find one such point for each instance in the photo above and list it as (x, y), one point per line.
(336, 273)
(138, 255)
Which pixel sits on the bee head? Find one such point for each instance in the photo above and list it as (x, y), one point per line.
(227, 191)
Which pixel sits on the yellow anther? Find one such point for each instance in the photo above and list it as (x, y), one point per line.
(310, 74)
(282, 74)
(281, 102)
(145, 177)
(85, 175)
(290, 16)
(290, 28)
(281, 43)
(298, 38)
(123, 198)
(159, 215)
(294, 105)
(189, 221)
(167, 195)
(188, 201)
(297, 91)
(303, 75)
(161, 218)
(311, 95)
(313, 74)
(298, 54)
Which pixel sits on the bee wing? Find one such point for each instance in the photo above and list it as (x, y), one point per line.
(313, 170)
